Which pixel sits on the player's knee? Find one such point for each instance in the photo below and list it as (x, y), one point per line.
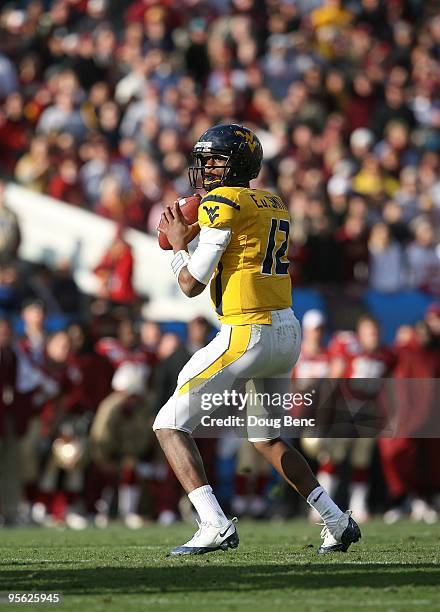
(162, 422)
(162, 434)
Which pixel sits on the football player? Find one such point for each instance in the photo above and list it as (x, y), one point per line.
(241, 253)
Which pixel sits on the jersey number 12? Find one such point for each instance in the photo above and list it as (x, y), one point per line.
(281, 264)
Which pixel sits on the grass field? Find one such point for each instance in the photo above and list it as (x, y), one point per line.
(275, 568)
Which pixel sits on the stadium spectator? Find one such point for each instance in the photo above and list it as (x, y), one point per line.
(62, 117)
(361, 142)
(313, 362)
(126, 346)
(197, 334)
(32, 169)
(387, 270)
(424, 258)
(93, 372)
(97, 166)
(393, 216)
(65, 289)
(150, 334)
(14, 130)
(408, 194)
(33, 341)
(331, 13)
(351, 238)
(61, 473)
(8, 76)
(410, 464)
(354, 356)
(119, 437)
(111, 203)
(65, 184)
(115, 271)
(11, 289)
(42, 286)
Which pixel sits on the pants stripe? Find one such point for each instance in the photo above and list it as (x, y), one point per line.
(238, 343)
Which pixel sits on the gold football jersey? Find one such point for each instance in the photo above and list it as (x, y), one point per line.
(252, 276)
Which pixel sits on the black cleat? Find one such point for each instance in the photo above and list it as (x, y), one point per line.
(342, 535)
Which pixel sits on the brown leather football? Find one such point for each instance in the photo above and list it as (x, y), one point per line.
(190, 210)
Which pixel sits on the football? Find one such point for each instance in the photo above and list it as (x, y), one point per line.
(190, 210)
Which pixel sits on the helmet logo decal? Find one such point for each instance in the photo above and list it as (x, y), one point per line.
(205, 145)
(212, 213)
(249, 139)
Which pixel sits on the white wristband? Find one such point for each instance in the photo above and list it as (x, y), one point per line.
(180, 260)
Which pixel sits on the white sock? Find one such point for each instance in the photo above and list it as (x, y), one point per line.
(207, 506)
(324, 505)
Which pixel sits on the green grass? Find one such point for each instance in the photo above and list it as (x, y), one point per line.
(274, 569)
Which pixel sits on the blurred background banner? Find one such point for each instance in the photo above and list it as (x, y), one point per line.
(52, 231)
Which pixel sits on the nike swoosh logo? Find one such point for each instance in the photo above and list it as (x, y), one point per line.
(316, 498)
(225, 531)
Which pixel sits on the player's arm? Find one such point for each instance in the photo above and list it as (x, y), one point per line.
(194, 273)
(190, 286)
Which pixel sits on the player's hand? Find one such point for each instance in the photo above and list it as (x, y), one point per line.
(176, 229)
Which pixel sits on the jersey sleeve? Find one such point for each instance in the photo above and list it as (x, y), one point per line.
(212, 244)
(219, 209)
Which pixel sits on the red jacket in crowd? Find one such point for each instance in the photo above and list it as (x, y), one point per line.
(115, 271)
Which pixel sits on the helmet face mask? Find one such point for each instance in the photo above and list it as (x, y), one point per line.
(200, 178)
(237, 145)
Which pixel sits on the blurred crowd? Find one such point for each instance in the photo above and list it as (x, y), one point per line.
(101, 102)
(77, 404)
(407, 459)
(76, 409)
